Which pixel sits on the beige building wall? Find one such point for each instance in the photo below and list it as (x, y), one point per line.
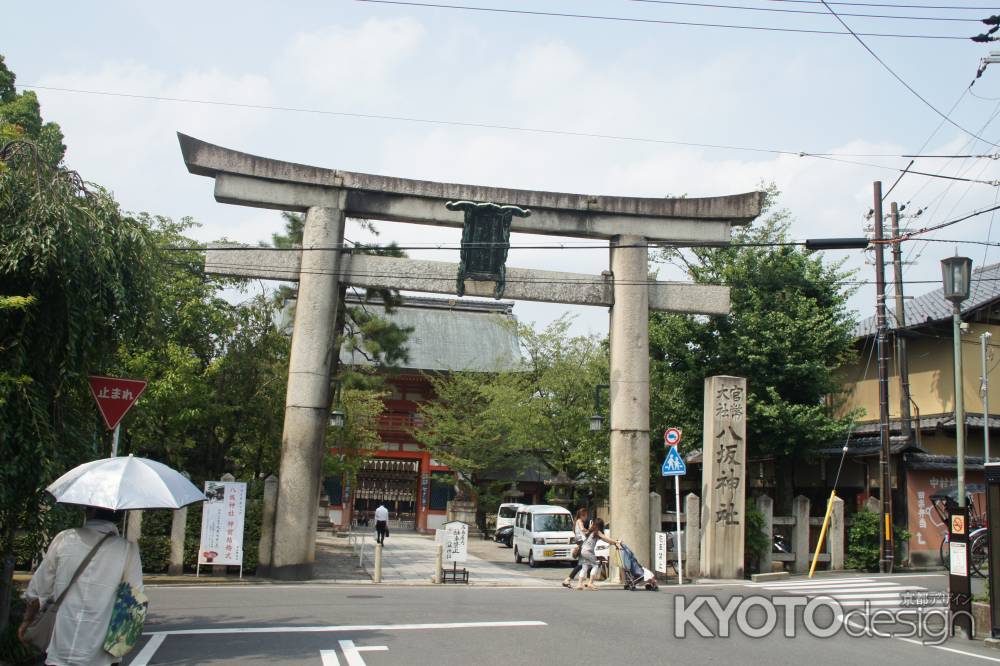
(931, 383)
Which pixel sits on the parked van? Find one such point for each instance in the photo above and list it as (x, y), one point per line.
(543, 533)
(506, 514)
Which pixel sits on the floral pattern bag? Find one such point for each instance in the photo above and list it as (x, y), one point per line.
(127, 619)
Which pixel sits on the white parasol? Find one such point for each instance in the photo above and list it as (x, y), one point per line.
(125, 483)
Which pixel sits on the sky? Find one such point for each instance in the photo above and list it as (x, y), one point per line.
(651, 82)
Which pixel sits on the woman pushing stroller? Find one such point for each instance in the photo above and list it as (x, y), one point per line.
(588, 556)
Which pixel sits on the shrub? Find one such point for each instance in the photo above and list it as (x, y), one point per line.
(863, 541)
(756, 543)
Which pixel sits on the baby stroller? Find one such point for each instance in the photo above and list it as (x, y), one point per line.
(633, 573)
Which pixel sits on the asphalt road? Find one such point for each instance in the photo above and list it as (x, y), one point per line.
(330, 625)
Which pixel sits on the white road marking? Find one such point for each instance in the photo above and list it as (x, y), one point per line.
(914, 641)
(149, 649)
(352, 653)
(330, 658)
(352, 627)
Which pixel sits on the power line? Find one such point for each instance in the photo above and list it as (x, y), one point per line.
(803, 11)
(894, 6)
(891, 71)
(628, 19)
(832, 157)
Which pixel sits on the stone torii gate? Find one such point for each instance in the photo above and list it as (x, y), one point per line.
(328, 196)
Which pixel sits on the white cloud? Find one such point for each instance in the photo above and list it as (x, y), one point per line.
(354, 62)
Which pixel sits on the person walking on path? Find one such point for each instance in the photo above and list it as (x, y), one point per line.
(589, 556)
(579, 535)
(85, 612)
(381, 523)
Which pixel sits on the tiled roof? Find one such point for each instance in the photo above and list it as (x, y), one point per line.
(932, 306)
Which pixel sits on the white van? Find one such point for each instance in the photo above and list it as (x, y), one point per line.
(543, 533)
(506, 514)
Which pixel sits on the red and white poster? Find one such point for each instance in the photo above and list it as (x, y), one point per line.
(222, 517)
(115, 397)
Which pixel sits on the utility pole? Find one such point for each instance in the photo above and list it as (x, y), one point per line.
(902, 360)
(885, 481)
(984, 341)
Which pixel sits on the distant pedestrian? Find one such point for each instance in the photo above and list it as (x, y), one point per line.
(381, 523)
(579, 535)
(85, 611)
(589, 555)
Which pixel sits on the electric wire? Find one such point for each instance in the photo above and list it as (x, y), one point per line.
(628, 19)
(857, 36)
(708, 5)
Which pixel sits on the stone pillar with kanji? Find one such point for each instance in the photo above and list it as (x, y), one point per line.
(723, 486)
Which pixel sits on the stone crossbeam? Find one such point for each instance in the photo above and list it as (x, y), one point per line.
(438, 277)
(251, 180)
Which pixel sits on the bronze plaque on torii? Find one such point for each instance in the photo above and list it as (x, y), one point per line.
(485, 242)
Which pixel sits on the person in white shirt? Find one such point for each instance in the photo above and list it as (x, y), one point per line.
(82, 622)
(381, 523)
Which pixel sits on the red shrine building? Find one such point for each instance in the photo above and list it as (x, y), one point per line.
(449, 335)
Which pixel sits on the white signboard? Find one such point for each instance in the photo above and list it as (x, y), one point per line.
(660, 557)
(222, 518)
(454, 536)
(959, 567)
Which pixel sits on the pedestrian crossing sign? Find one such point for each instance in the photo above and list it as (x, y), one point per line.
(674, 464)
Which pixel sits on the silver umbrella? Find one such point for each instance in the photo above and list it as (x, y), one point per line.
(125, 483)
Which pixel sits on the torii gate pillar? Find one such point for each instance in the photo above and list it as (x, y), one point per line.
(629, 338)
(307, 401)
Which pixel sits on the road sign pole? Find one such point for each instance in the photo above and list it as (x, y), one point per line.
(114, 441)
(677, 541)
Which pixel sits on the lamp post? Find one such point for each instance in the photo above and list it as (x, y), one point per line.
(597, 421)
(337, 416)
(956, 273)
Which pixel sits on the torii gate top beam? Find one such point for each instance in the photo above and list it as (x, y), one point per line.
(261, 182)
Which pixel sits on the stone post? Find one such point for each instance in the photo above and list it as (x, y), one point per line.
(835, 535)
(656, 519)
(178, 532)
(307, 403)
(133, 526)
(692, 536)
(266, 543)
(723, 496)
(766, 506)
(872, 504)
(800, 534)
(629, 336)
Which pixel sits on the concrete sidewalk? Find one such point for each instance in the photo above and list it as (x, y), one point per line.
(409, 558)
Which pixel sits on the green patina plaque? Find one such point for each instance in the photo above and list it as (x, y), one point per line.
(485, 242)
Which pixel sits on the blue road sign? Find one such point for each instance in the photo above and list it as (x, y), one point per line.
(674, 464)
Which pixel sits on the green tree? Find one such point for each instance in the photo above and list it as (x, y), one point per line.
(216, 370)
(67, 247)
(788, 329)
(538, 414)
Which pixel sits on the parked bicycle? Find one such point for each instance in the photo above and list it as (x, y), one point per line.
(978, 548)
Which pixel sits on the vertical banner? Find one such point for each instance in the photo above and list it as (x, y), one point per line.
(222, 517)
(660, 554)
(723, 495)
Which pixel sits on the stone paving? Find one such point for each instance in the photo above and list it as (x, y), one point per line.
(409, 558)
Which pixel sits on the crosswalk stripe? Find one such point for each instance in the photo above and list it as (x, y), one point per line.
(815, 581)
(828, 586)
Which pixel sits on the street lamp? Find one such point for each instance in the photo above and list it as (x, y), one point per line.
(956, 273)
(597, 421)
(337, 416)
